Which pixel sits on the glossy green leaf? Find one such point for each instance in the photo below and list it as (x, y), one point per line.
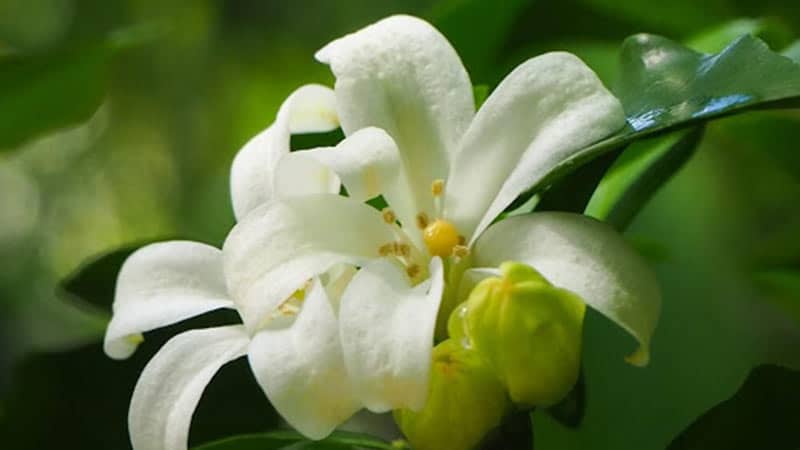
(792, 51)
(44, 92)
(287, 439)
(763, 414)
(665, 86)
(638, 173)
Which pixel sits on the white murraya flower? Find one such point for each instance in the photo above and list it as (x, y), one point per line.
(293, 350)
(405, 104)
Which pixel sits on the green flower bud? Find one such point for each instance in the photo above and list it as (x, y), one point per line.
(527, 329)
(465, 402)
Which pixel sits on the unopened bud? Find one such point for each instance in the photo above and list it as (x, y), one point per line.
(528, 330)
(465, 401)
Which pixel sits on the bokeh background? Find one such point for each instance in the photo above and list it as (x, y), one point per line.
(152, 162)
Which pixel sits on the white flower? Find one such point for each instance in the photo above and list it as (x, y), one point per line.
(405, 103)
(294, 350)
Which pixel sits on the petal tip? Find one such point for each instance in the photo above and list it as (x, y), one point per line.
(639, 358)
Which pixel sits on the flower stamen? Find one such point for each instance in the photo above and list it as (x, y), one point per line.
(460, 251)
(437, 187)
(422, 220)
(437, 190)
(389, 216)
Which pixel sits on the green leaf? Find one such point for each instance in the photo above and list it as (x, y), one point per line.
(573, 193)
(763, 414)
(44, 92)
(665, 86)
(638, 173)
(782, 286)
(715, 39)
(792, 51)
(288, 439)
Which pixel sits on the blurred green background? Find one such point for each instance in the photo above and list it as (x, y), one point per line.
(153, 161)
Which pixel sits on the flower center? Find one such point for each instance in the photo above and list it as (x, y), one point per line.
(441, 237)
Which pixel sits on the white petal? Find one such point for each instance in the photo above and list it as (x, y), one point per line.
(171, 384)
(542, 113)
(387, 331)
(310, 108)
(281, 245)
(302, 371)
(400, 74)
(368, 163)
(584, 256)
(336, 280)
(299, 173)
(161, 284)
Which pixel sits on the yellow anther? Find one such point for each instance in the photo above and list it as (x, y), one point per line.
(422, 220)
(460, 251)
(402, 249)
(289, 308)
(437, 187)
(389, 216)
(440, 237)
(386, 249)
(412, 270)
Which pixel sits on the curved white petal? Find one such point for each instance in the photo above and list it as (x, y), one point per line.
(281, 245)
(387, 331)
(367, 162)
(400, 74)
(336, 280)
(310, 108)
(302, 371)
(171, 384)
(542, 113)
(584, 256)
(161, 284)
(299, 173)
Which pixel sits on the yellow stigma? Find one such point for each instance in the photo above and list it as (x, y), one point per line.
(440, 237)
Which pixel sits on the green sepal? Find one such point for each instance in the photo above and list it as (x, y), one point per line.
(528, 330)
(466, 401)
